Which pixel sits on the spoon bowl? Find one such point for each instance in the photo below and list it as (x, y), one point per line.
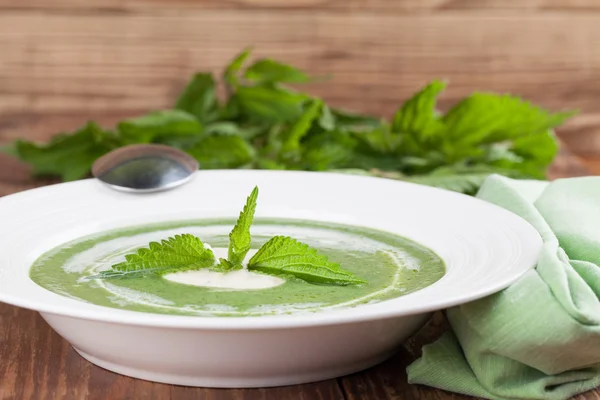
(144, 168)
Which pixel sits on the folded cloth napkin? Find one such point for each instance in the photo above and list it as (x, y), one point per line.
(539, 338)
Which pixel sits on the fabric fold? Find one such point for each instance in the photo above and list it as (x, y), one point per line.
(539, 338)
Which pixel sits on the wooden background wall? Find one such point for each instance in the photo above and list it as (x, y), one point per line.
(65, 61)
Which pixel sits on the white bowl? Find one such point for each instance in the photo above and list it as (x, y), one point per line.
(485, 248)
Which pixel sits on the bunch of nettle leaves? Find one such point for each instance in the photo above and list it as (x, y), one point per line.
(265, 125)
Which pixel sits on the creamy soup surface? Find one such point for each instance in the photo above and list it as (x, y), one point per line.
(392, 266)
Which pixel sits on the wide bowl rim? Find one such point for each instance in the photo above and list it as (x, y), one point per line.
(351, 315)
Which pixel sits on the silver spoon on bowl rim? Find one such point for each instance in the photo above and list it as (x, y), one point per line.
(145, 168)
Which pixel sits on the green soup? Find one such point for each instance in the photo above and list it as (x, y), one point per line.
(392, 266)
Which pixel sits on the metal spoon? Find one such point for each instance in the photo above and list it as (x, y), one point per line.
(144, 168)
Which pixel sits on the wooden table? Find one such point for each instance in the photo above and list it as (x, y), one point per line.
(36, 363)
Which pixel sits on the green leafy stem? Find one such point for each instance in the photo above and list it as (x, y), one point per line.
(281, 255)
(264, 123)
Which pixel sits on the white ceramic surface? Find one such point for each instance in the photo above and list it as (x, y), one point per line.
(485, 248)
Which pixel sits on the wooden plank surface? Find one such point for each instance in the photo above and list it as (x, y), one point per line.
(63, 62)
(38, 364)
(385, 6)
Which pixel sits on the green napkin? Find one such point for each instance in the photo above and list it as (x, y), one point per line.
(539, 338)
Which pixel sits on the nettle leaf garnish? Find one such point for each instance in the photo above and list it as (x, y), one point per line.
(281, 256)
(239, 238)
(178, 253)
(225, 265)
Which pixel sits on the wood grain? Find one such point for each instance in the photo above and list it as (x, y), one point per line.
(387, 381)
(70, 63)
(386, 6)
(38, 364)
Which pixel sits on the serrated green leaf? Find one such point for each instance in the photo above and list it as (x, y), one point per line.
(265, 163)
(274, 132)
(371, 161)
(182, 142)
(232, 111)
(291, 138)
(226, 266)
(328, 150)
(69, 156)
(326, 120)
(540, 148)
(487, 118)
(269, 144)
(223, 128)
(461, 178)
(179, 253)
(354, 122)
(529, 156)
(232, 70)
(246, 131)
(271, 71)
(222, 152)
(417, 116)
(380, 140)
(254, 131)
(262, 103)
(199, 98)
(330, 156)
(239, 238)
(351, 171)
(159, 126)
(378, 148)
(283, 255)
(500, 152)
(462, 183)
